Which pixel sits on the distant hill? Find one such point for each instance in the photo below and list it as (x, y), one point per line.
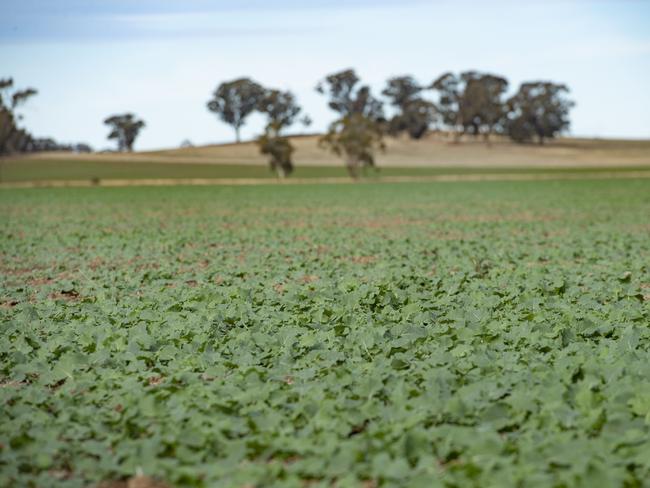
(433, 151)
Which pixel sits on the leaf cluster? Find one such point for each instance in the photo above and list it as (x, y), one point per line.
(538, 110)
(357, 139)
(347, 97)
(233, 101)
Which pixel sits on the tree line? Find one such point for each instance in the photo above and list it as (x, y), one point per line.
(14, 139)
(468, 103)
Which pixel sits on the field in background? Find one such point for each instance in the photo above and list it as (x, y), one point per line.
(474, 334)
(438, 151)
(430, 157)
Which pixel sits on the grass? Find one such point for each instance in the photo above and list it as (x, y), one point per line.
(426, 334)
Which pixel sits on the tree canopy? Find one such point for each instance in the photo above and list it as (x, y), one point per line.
(125, 128)
(280, 108)
(13, 138)
(415, 115)
(281, 111)
(358, 132)
(357, 139)
(347, 97)
(539, 109)
(280, 151)
(471, 102)
(233, 101)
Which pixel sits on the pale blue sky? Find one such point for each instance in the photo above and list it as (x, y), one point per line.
(162, 59)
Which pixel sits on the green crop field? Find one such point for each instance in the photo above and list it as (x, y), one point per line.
(430, 334)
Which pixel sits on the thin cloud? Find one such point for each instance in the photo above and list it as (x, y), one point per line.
(161, 60)
(28, 20)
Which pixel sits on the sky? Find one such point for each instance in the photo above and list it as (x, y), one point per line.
(162, 59)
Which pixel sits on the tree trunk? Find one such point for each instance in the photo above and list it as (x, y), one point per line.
(7, 129)
(4, 143)
(352, 165)
(459, 130)
(237, 139)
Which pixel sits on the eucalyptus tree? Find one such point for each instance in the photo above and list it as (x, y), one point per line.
(347, 96)
(357, 139)
(12, 137)
(357, 135)
(471, 102)
(281, 110)
(125, 129)
(233, 101)
(415, 115)
(540, 109)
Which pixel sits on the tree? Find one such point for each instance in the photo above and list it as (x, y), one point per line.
(279, 149)
(279, 107)
(12, 138)
(493, 108)
(15, 139)
(356, 138)
(415, 114)
(347, 97)
(82, 147)
(471, 102)
(539, 109)
(7, 129)
(125, 128)
(447, 86)
(358, 133)
(233, 101)
(482, 109)
(281, 110)
(401, 90)
(415, 119)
